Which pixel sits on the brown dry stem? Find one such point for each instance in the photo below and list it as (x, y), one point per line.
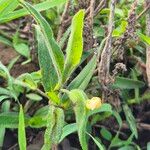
(104, 65)
(148, 46)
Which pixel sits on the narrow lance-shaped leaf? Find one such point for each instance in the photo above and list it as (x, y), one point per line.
(126, 83)
(78, 98)
(59, 124)
(82, 80)
(68, 129)
(131, 120)
(54, 50)
(49, 75)
(75, 45)
(49, 128)
(84, 77)
(21, 130)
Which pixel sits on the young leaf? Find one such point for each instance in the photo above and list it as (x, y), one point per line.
(53, 48)
(78, 98)
(49, 75)
(21, 130)
(75, 45)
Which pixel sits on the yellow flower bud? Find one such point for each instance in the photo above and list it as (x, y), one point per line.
(93, 103)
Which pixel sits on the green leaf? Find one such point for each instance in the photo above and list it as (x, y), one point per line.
(43, 111)
(144, 38)
(127, 148)
(10, 94)
(34, 97)
(38, 121)
(59, 124)
(53, 48)
(148, 146)
(3, 97)
(103, 108)
(7, 74)
(68, 129)
(120, 29)
(10, 120)
(21, 130)
(75, 45)
(7, 6)
(22, 48)
(26, 80)
(84, 77)
(23, 12)
(106, 134)
(131, 120)
(136, 90)
(4, 108)
(5, 41)
(2, 134)
(49, 128)
(78, 98)
(97, 142)
(126, 83)
(49, 75)
(118, 118)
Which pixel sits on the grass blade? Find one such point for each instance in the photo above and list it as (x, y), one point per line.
(23, 12)
(21, 130)
(7, 6)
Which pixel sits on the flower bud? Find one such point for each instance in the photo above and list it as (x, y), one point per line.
(93, 103)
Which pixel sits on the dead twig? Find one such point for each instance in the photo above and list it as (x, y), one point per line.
(104, 65)
(88, 27)
(143, 12)
(148, 47)
(63, 18)
(100, 7)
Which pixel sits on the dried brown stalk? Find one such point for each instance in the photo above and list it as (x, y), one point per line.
(63, 18)
(104, 65)
(88, 27)
(148, 46)
(100, 7)
(147, 7)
